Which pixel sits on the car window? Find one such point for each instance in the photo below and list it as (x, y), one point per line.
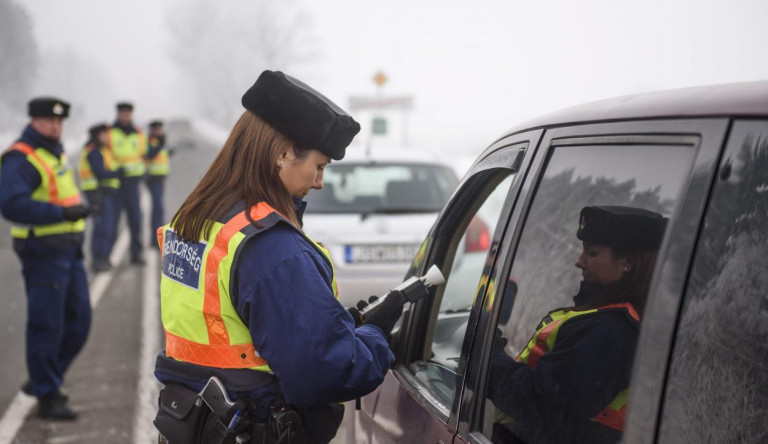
(383, 187)
(717, 389)
(563, 351)
(438, 372)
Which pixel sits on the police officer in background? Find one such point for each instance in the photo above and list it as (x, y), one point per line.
(248, 297)
(158, 167)
(38, 194)
(100, 181)
(129, 145)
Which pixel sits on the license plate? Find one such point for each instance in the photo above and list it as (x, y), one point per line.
(358, 254)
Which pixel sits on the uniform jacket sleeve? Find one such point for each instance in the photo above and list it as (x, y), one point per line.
(589, 365)
(97, 166)
(18, 179)
(307, 337)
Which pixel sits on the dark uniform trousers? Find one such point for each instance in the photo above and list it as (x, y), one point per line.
(104, 223)
(156, 185)
(58, 311)
(128, 199)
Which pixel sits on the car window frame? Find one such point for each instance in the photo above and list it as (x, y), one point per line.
(711, 134)
(411, 339)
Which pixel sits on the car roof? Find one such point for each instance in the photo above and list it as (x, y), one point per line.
(747, 99)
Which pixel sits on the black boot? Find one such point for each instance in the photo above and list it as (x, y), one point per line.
(55, 407)
(27, 389)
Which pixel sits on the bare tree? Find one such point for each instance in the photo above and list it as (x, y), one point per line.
(18, 51)
(221, 47)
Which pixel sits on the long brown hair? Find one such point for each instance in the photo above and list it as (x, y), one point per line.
(633, 286)
(245, 170)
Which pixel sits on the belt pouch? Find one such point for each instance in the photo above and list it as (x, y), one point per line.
(181, 414)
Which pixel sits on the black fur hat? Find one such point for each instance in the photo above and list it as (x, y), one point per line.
(302, 114)
(47, 107)
(124, 106)
(625, 229)
(93, 132)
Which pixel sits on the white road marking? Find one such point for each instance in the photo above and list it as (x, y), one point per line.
(148, 387)
(13, 417)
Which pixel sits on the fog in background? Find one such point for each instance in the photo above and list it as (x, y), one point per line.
(473, 69)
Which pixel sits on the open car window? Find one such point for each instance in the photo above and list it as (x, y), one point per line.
(463, 279)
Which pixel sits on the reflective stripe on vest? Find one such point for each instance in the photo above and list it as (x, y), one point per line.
(57, 187)
(543, 341)
(158, 165)
(128, 150)
(88, 180)
(201, 324)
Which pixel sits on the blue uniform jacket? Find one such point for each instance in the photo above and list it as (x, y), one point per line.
(590, 363)
(307, 337)
(97, 164)
(154, 148)
(18, 179)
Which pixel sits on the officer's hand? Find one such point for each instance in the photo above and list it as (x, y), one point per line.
(121, 171)
(386, 314)
(76, 212)
(355, 311)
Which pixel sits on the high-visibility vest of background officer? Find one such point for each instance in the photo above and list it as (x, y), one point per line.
(57, 186)
(128, 146)
(158, 154)
(88, 179)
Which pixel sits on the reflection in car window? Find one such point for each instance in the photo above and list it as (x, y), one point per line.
(380, 187)
(718, 384)
(569, 316)
(462, 281)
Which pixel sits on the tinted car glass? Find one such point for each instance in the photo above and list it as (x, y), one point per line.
(382, 187)
(717, 389)
(558, 405)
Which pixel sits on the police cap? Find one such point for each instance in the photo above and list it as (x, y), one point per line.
(624, 229)
(302, 114)
(47, 107)
(124, 106)
(155, 123)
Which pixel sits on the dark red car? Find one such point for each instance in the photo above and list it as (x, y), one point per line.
(506, 244)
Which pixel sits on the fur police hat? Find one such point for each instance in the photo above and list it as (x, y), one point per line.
(302, 114)
(47, 107)
(94, 130)
(625, 229)
(125, 106)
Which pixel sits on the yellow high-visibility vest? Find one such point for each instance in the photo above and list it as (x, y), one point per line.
(88, 180)
(160, 164)
(201, 324)
(128, 150)
(57, 187)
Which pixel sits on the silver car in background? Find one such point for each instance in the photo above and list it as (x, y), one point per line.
(373, 213)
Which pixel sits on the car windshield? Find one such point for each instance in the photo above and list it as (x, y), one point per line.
(382, 187)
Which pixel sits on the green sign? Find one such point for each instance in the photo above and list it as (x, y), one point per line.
(379, 125)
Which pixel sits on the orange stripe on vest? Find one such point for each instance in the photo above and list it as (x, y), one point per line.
(53, 192)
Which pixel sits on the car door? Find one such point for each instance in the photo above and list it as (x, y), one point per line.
(419, 399)
(662, 166)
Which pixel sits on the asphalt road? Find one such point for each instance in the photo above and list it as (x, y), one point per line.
(105, 383)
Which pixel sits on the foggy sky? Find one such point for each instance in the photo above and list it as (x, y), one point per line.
(473, 68)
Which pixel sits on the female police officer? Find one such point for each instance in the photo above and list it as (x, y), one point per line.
(250, 298)
(569, 384)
